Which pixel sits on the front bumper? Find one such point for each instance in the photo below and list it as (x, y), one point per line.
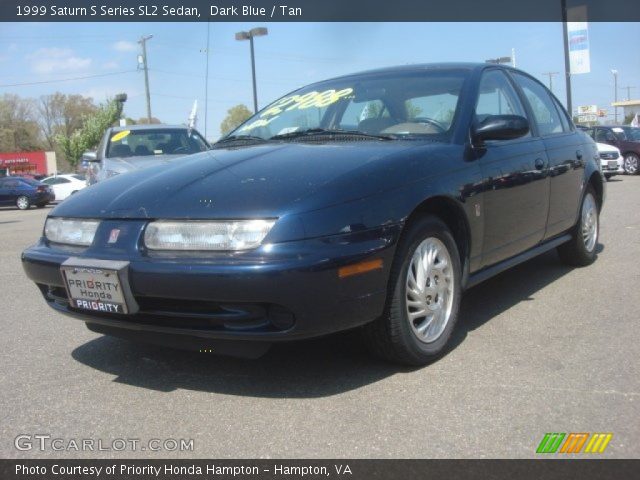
(277, 292)
(610, 170)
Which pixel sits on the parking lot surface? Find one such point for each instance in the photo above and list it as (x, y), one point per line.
(540, 348)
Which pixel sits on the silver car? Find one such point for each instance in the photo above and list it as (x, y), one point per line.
(133, 147)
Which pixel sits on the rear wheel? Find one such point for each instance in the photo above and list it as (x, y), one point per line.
(581, 249)
(423, 299)
(631, 162)
(23, 202)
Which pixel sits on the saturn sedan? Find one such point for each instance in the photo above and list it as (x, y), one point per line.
(368, 202)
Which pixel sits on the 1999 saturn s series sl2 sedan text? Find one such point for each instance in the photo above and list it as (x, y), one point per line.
(371, 200)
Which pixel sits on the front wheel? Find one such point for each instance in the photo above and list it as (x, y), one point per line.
(423, 299)
(581, 249)
(631, 162)
(23, 202)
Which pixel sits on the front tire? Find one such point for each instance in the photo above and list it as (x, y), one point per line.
(23, 202)
(631, 164)
(423, 298)
(580, 251)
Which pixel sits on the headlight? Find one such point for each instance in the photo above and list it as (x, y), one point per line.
(71, 231)
(205, 235)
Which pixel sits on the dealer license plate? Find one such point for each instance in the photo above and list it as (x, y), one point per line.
(97, 285)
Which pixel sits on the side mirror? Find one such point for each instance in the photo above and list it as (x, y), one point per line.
(500, 127)
(90, 157)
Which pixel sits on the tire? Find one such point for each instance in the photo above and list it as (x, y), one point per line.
(580, 251)
(631, 164)
(41, 205)
(23, 202)
(394, 336)
(608, 177)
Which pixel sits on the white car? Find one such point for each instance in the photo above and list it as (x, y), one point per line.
(65, 185)
(611, 161)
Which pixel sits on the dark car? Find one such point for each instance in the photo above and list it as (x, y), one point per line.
(24, 192)
(133, 147)
(368, 201)
(626, 139)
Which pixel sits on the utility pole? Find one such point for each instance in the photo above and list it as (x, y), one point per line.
(551, 75)
(206, 86)
(567, 62)
(628, 88)
(143, 42)
(615, 95)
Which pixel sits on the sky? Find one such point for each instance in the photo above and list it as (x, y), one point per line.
(290, 56)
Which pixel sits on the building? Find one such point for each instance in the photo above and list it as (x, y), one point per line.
(629, 108)
(33, 163)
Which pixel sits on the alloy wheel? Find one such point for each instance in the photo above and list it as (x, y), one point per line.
(631, 164)
(589, 223)
(429, 290)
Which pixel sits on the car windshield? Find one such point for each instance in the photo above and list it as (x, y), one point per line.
(397, 105)
(29, 181)
(165, 141)
(627, 133)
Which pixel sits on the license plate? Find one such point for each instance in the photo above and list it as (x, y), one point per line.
(98, 285)
(613, 164)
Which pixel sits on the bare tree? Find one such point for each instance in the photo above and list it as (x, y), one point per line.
(62, 114)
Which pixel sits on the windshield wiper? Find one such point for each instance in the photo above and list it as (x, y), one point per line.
(240, 138)
(325, 131)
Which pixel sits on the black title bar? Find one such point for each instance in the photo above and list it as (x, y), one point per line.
(311, 10)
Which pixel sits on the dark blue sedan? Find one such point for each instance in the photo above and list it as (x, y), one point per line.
(24, 192)
(368, 201)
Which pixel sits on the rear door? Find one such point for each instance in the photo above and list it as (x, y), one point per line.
(516, 191)
(4, 191)
(565, 151)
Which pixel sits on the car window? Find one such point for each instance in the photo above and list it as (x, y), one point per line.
(603, 135)
(544, 111)
(564, 119)
(149, 142)
(497, 97)
(11, 183)
(356, 112)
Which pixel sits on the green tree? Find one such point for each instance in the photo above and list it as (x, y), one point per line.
(18, 125)
(145, 121)
(235, 116)
(89, 135)
(62, 114)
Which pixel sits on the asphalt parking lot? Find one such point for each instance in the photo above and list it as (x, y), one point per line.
(541, 348)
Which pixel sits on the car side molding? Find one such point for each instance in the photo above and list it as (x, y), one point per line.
(486, 273)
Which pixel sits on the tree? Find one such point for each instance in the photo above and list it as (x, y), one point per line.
(235, 116)
(145, 121)
(62, 114)
(89, 135)
(18, 126)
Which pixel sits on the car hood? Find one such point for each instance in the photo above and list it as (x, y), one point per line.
(603, 147)
(263, 181)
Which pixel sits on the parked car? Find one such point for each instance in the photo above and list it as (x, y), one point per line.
(65, 185)
(133, 147)
(369, 201)
(611, 162)
(24, 192)
(626, 139)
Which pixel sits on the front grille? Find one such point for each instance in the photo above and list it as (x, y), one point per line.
(608, 155)
(192, 314)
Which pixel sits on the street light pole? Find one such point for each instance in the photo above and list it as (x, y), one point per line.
(143, 42)
(615, 95)
(254, 32)
(567, 61)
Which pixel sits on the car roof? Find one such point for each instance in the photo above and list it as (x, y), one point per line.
(152, 126)
(421, 67)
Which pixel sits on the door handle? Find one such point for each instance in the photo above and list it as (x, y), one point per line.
(539, 163)
(579, 154)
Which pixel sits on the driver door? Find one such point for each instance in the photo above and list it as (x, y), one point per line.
(516, 184)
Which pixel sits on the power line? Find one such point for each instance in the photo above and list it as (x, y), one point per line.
(65, 79)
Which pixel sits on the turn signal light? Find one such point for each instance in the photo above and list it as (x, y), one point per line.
(358, 268)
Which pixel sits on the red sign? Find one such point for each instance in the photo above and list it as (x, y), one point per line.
(24, 162)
